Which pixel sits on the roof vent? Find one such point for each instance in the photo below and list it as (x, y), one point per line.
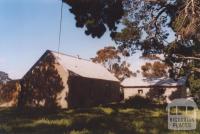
(78, 57)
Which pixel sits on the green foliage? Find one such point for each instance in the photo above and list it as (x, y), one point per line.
(84, 131)
(127, 38)
(179, 93)
(96, 15)
(194, 84)
(156, 94)
(138, 101)
(145, 25)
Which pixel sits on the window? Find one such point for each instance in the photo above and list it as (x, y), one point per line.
(140, 91)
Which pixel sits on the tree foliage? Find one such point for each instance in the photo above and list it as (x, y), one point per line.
(111, 58)
(96, 15)
(4, 77)
(127, 37)
(147, 26)
(9, 92)
(156, 69)
(194, 84)
(146, 22)
(156, 94)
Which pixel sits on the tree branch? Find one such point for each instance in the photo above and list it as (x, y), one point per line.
(196, 70)
(188, 58)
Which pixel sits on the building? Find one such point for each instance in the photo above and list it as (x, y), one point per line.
(168, 88)
(66, 81)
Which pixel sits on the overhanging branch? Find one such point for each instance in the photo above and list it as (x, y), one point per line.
(187, 57)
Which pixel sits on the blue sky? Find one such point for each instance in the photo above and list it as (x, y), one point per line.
(30, 27)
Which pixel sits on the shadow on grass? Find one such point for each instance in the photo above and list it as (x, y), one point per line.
(109, 119)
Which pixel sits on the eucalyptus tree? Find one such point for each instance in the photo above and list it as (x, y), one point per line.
(171, 27)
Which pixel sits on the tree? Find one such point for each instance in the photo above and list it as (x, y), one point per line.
(9, 92)
(110, 57)
(107, 56)
(4, 77)
(127, 37)
(156, 94)
(147, 26)
(96, 15)
(152, 17)
(151, 57)
(155, 18)
(148, 15)
(157, 69)
(194, 84)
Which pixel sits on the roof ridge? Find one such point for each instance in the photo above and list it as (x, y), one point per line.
(70, 55)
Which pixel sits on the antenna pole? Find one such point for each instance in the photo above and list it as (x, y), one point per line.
(60, 27)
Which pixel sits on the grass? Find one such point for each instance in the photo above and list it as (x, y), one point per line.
(113, 119)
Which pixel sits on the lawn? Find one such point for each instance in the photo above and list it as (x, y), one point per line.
(112, 119)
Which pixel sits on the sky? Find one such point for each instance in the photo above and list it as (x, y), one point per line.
(30, 27)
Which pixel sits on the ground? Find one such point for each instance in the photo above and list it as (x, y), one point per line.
(97, 120)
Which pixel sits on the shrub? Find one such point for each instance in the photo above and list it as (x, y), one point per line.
(138, 101)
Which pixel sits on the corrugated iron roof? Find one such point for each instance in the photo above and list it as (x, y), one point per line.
(142, 81)
(84, 68)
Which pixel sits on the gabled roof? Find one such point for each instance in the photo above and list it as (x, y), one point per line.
(140, 81)
(84, 68)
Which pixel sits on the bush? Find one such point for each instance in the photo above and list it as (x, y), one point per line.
(138, 101)
(197, 99)
(9, 92)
